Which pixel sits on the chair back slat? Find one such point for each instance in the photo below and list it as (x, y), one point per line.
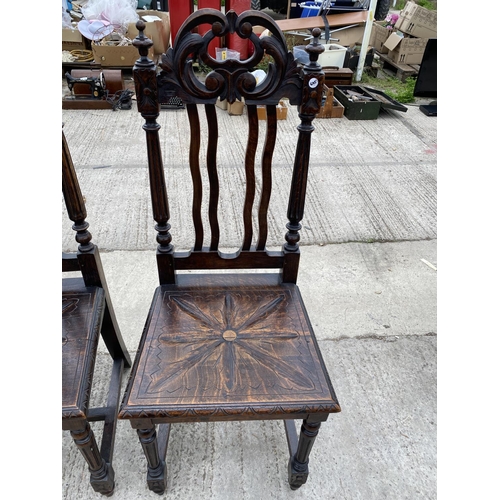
(229, 80)
(213, 176)
(253, 139)
(267, 181)
(194, 164)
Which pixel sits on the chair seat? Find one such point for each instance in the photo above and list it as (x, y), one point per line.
(82, 313)
(214, 351)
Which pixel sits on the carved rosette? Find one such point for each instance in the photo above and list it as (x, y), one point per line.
(234, 353)
(229, 79)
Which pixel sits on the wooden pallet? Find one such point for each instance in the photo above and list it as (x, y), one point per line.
(400, 71)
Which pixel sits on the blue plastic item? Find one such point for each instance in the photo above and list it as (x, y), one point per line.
(310, 9)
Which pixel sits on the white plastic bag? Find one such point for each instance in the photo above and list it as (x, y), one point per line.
(118, 12)
(66, 18)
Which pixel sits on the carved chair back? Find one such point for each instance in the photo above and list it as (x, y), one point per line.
(229, 80)
(87, 260)
(75, 206)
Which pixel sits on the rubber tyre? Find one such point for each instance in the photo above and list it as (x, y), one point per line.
(255, 4)
(382, 9)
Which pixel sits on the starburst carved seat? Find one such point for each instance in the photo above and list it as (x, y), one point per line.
(234, 341)
(87, 315)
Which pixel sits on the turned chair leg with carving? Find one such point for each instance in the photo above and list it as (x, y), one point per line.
(298, 465)
(157, 469)
(102, 475)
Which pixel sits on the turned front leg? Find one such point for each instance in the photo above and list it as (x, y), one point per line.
(298, 468)
(157, 470)
(102, 475)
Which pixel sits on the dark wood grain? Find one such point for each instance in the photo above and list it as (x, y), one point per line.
(252, 142)
(87, 315)
(194, 164)
(82, 311)
(213, 357)
(267, 181)
(213, 175)
(227, 344)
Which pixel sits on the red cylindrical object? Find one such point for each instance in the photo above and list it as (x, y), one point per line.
(209, 4)
(179, 11)
(234, 42)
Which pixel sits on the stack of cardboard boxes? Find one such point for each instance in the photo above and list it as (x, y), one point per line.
(407, 42)
(108, 54)
(157, 30)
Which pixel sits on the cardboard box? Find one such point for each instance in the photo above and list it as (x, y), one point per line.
(117, 56)
(73, 40)
(417, 21)
(347, 35)
(378, 37)
(221, 104)
(236, 108)
(357, 109)
(405, 50)
(281, 111)
(331, 108)
(158, 31)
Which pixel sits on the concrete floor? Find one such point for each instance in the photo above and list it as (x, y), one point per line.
(368, 278)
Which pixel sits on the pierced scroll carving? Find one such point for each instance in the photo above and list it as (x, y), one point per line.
(230, 79)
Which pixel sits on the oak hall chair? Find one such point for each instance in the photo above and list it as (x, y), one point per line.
(234, 341)
(87, 314)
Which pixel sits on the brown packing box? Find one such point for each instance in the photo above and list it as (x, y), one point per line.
(115, 56)
(281, 111)
(221, 104)
(236, 108)
(378, 37)
(73, 40)
(417, 21)
(405, 50)
(347, 36)
(158, 31)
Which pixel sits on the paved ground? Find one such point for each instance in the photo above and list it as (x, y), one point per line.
(368, 278)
